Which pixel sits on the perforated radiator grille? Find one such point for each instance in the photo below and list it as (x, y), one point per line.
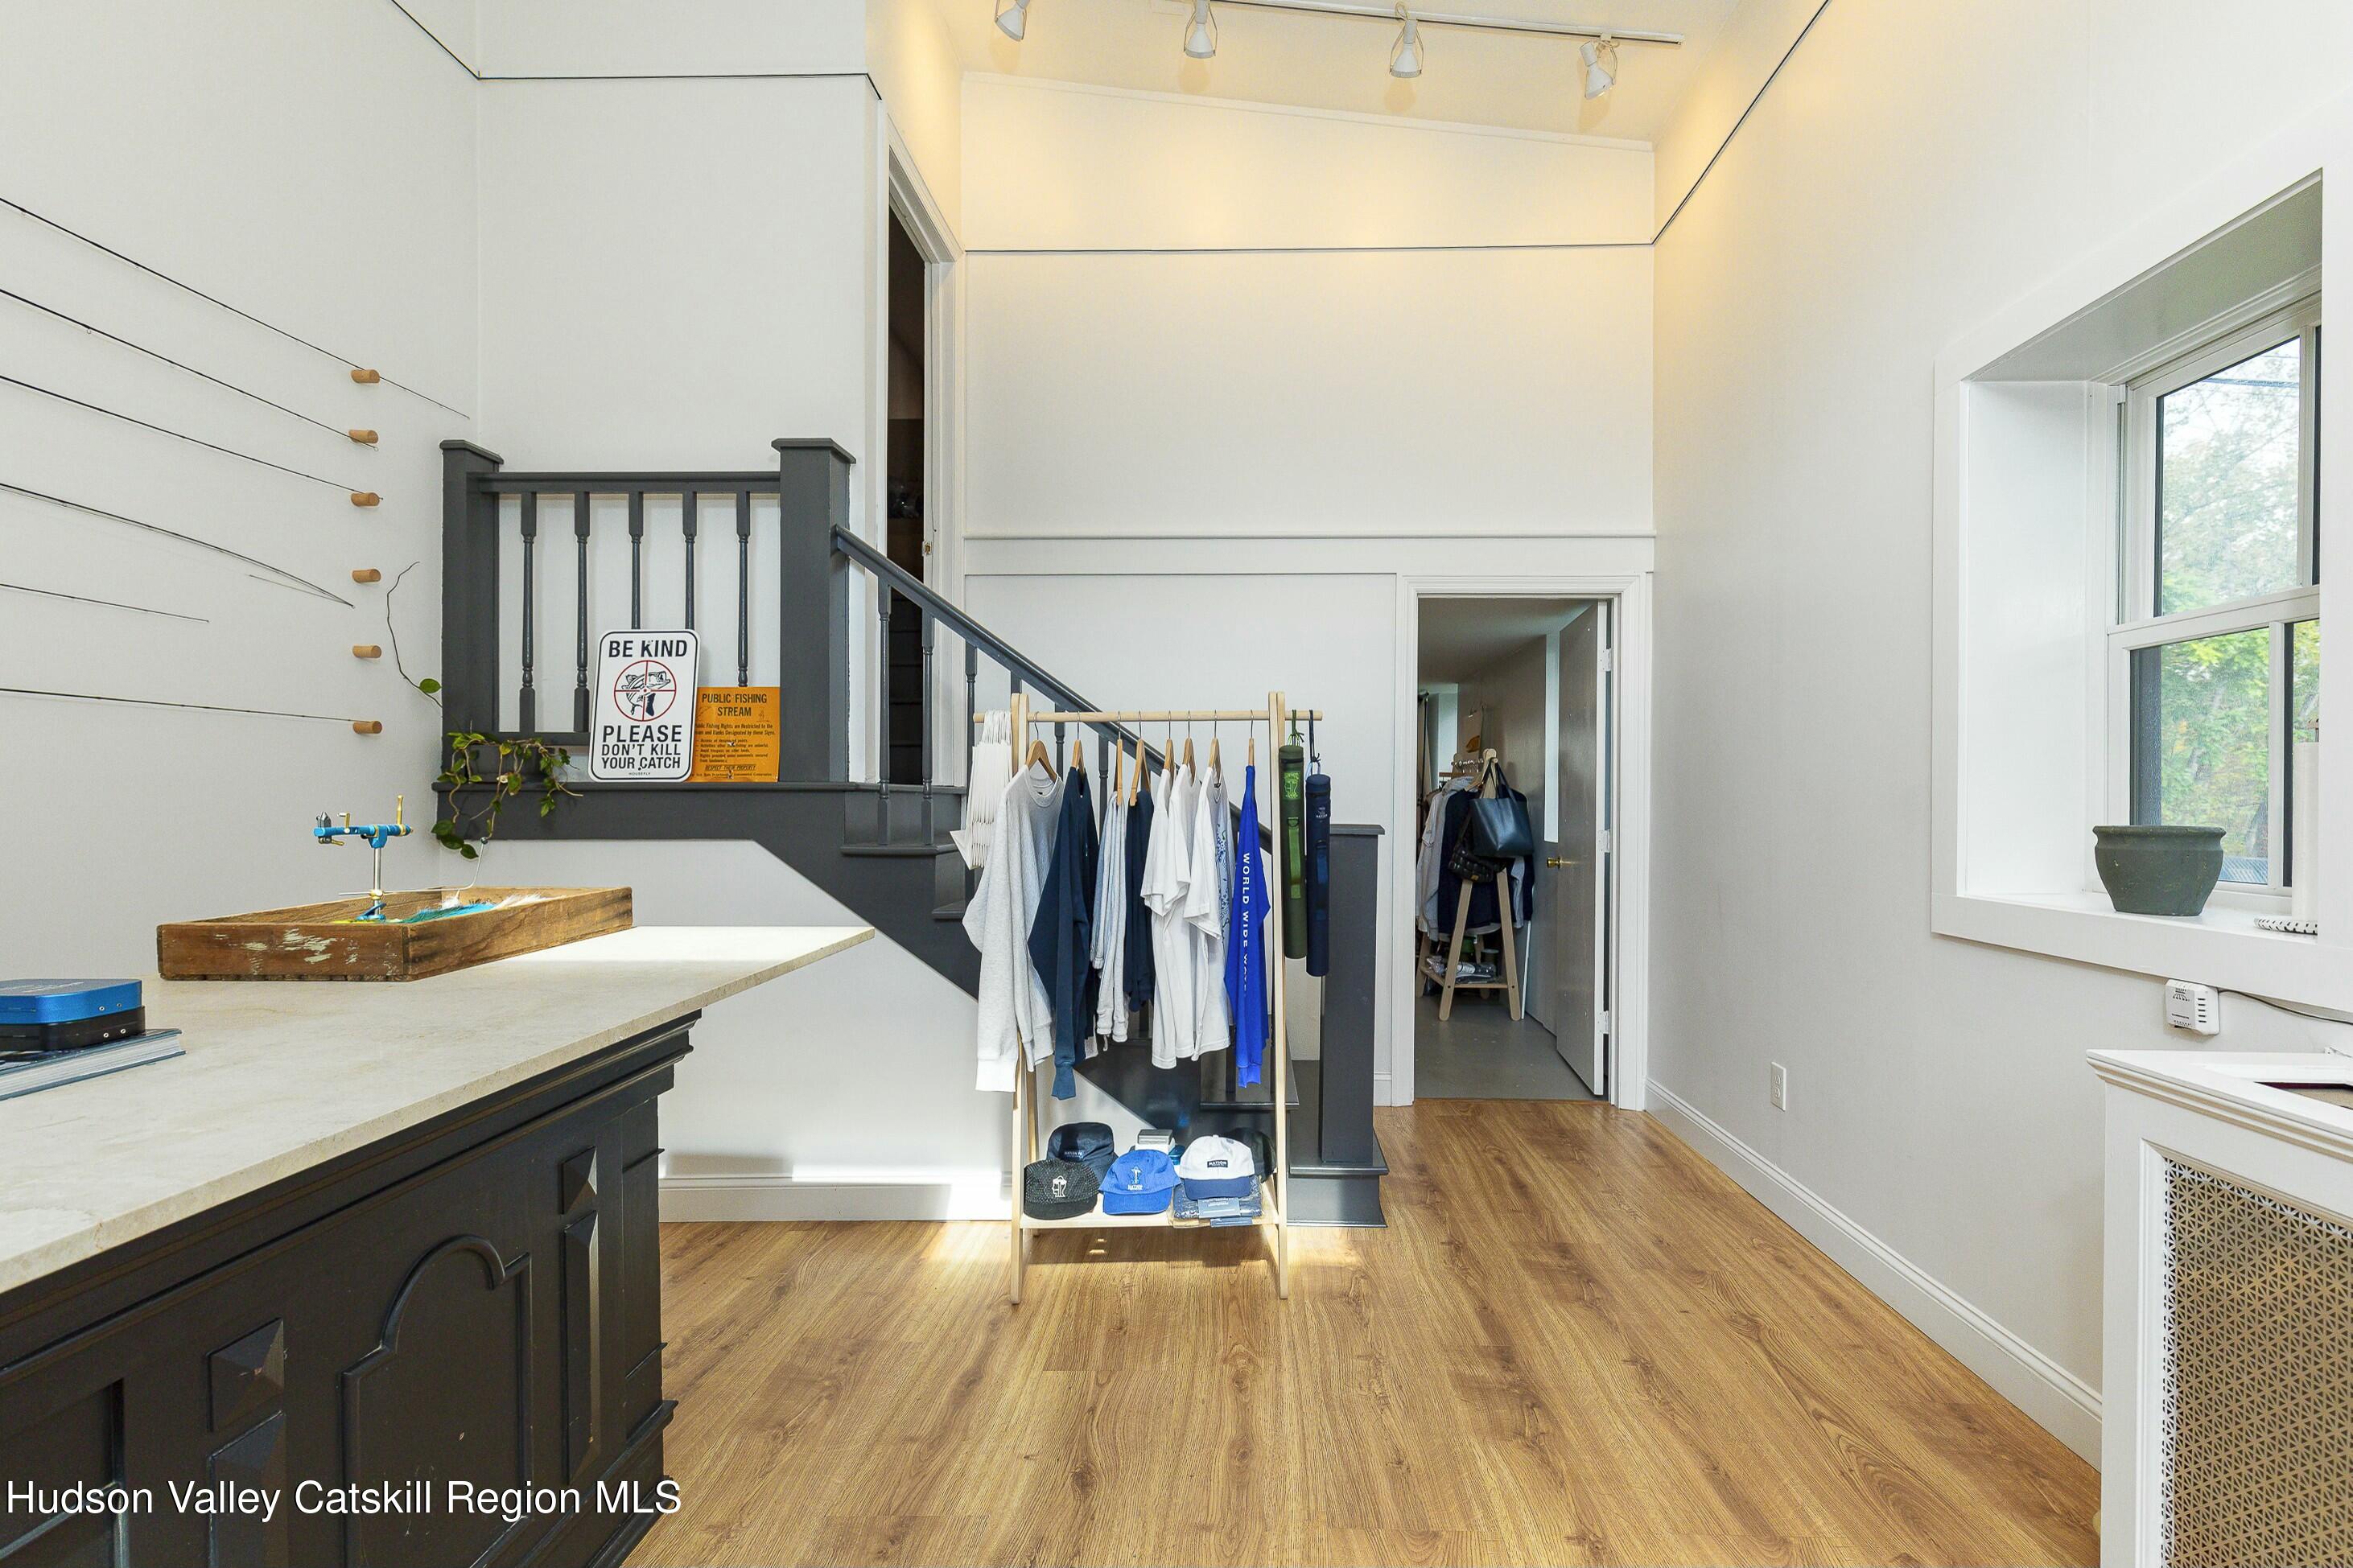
(2258, 1403)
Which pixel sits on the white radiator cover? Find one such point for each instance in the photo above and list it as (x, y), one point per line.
(2228, 1434)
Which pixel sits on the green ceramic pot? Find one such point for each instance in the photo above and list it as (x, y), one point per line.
(2158, 870)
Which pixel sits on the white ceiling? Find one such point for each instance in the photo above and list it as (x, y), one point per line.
(1460, 637)
(1509, 79)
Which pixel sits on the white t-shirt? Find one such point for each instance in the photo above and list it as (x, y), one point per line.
(1168, 876)
(1108, 952)
(1017, 1017)
(1206, 898)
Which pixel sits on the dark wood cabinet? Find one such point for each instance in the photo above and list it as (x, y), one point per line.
(443, 1348)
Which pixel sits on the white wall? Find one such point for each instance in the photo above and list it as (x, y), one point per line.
(1219, 398)
(1943, 1132)
(312, 164)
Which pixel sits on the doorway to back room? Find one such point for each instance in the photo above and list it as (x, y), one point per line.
(1510, 940)
(906, 534)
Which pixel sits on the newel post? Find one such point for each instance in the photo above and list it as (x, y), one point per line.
(470, 590)
(813, 667)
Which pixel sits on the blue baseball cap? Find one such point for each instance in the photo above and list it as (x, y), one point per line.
(1139, 1182)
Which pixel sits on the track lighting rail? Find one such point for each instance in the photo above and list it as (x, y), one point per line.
(1465, 19)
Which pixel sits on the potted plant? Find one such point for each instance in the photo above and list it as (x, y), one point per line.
(2157, 869)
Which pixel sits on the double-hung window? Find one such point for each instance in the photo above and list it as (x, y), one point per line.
(2215, 652)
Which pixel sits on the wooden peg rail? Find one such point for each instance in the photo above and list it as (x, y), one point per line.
(364, 437)
(365, 377)
(367, 650)
(1176, 716)
(364, 498)
(366, 574)
(367, 726)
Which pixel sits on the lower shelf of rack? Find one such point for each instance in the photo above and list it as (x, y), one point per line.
(1436, 974)
(1166, 1220)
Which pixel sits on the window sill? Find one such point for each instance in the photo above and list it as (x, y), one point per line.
(2220, 947)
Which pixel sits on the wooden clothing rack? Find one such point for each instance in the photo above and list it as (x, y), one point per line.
(1275, 1183)
(1448, 978)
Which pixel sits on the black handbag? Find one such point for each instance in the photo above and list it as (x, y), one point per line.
(1499, 829)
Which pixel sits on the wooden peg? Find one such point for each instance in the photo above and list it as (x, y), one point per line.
(367, 650)
(367, 726)
(364, 377)
(364, 498)
(366, 574)
(364, 437)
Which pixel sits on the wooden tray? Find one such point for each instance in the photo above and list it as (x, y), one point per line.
(319, 942)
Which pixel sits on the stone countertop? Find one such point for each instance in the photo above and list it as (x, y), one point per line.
(280, 1076)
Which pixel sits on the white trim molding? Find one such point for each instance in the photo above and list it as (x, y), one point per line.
(2061, 1403)
(769, 1195)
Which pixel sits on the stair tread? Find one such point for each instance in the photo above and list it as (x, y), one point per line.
(898, 851)
(951, 911)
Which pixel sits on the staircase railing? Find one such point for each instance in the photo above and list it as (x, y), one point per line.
(778, 539)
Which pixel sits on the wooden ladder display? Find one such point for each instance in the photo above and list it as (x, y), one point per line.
(1274, 1184)
(1449, 978)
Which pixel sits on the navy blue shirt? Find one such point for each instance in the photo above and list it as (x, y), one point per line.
(1063, 932)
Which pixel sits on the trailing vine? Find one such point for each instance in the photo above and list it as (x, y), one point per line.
(524, 764)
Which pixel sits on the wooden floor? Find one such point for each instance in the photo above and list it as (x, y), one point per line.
(1576, 1343)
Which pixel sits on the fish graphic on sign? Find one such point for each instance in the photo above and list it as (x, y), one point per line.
(644, 690)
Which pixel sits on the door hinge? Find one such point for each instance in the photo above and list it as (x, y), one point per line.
(1609, 661)
(1608, 1026)
(1609, 841)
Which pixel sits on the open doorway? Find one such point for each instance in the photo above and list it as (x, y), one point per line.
(906, 536)
(1509, 956)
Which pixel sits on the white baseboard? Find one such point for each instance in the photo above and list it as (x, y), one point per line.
(780, 1197)
(1381, 1089)
(2062, 1403)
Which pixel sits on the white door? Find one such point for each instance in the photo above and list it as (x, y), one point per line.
(1573, 864)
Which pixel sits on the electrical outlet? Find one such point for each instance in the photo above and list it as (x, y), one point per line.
(1779, 1087)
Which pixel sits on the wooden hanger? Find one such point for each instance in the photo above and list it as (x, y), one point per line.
(1118, 770)
(1251, 760)
(1039, 753)
(1079, 750)
(1188, 745)
(1213, 748)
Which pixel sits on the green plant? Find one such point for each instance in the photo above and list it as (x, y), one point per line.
(525, 764)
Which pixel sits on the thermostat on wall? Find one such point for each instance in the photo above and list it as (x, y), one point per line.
(2191, 1006)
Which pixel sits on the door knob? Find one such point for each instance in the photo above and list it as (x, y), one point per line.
(1555, 861)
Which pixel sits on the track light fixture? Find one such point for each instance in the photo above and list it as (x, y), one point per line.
(1201, 32)
(1598, 49)
(1405, 60)
(1600, 65)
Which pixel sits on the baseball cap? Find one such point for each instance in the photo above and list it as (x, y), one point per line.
(1139, 1182)
(1215, 1167)
(1088, 1143)
(1058, 1189)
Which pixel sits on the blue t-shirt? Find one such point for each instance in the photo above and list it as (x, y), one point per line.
(1246, 982)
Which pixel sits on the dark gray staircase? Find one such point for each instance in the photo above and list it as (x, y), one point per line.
(881, 849)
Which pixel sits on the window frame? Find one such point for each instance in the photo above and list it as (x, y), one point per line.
(2261, 327)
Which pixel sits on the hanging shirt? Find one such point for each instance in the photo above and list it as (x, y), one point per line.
(1245, 973)
(985, 779)
(1109, 951)
(1207, 897)
(1062, 933)
(1136, 975)
(1016, 1020)
(1167, 873)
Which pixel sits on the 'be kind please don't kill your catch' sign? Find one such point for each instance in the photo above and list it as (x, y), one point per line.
(645, 685)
